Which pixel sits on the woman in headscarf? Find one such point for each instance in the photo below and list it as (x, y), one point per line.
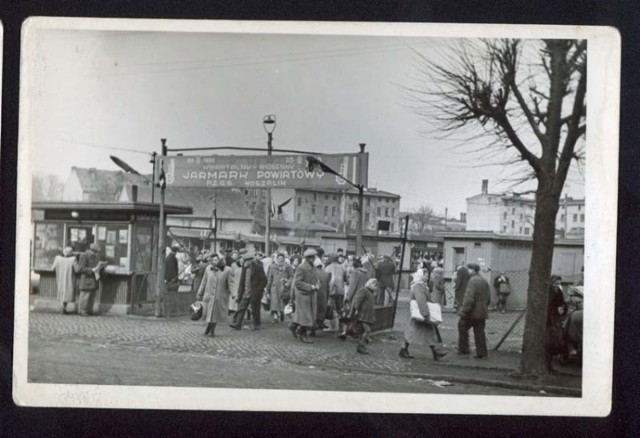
(422, 332)
(65, 278)
(215, 289)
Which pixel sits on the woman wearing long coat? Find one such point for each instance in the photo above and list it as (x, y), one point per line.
(278, 287)
(236, 270)
(215, 289)
(422, 332)
(363, 313)
(305, 286)
(65, 278)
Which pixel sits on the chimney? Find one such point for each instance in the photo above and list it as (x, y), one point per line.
(134, 193)
(485, 186)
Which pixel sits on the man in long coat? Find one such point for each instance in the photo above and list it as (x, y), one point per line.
(338, 277)
(89, 268)
(278, 286)
(363, 312)
(250, 286)
(305, 287)
(215, 289)
(65, 278)
(384, 274)
(474, 312)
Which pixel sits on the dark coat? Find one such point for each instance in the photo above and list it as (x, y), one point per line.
(363, 306)
(385, 271)
(556, 300)
(357, 280)
(257, 282)
(322, 294)
(85, 268)
(476, 299)
(171, 272)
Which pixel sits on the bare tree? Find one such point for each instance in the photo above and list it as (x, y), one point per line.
(527, 100)
(45, 187)
(420, 219)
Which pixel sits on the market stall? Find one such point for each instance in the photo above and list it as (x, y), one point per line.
(127, 234)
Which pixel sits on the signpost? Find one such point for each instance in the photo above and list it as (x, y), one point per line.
(259, 171)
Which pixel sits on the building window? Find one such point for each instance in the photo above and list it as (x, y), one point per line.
(246, 192)
(520, 216)
(333, 197)
(368, 202)
(326, 197)
(513, 210)
(326, 210)
(315, 196)
(393, 212)
(299, 202)
(579, 207)
(366, 218)
(575, 218)
(582, 218)
(379, 210)
(333, 224)
(520, 231)
(333, 212)
(505, 215)
(313, 209)
(526, 231)
(513, 224)
(504, 228)
(255, 192)
(386, 212)
(298, 217)
(477, 245)
(392, 226)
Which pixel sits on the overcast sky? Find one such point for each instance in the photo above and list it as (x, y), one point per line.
(97, 93)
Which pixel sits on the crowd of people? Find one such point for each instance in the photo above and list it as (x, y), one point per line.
(333, 293)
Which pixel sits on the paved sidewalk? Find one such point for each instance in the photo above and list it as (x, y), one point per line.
(275, 343)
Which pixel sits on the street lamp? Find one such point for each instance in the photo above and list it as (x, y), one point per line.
(269, 125)
(314, 163)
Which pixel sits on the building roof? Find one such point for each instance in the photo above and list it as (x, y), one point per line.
(106, 183)
(490, 235)
(297, 226)
(95, 207)
(229, 203)
(371, 191)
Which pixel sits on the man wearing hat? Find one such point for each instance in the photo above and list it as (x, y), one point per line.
(65, 280)
(89, 268)
(171, 280)
(250, 286)
(474, 312)
(305, 287)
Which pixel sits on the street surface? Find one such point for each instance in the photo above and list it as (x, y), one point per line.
(117, 350)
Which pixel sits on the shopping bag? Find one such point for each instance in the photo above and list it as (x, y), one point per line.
(435, 313)
(266, 301)
(415, 311)
(196, 311)
(289, 309)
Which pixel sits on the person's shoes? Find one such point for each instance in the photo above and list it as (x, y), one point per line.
(64, 311)
(479, 357)
(342, 336)
(312, 333)
(207, 330)
(362, 349)
(404, 353)
(329, 330)
(306, 340)
(281, 317)
(235, 327)
(463, 353)
(368, 340)
(437, 353)
(502, 311)
(255, 328)
(293, 331)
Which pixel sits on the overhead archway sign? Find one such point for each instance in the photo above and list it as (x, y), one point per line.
(275, 171)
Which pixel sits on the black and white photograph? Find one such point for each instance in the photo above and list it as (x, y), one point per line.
(337, 217)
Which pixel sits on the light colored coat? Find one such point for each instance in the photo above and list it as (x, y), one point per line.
(65, 278)
(338, 278)
(418, 332)
(214, 291)
(236, 270)
(278, 285)
(304, 280)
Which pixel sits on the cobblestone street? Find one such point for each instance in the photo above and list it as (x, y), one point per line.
(136, 350)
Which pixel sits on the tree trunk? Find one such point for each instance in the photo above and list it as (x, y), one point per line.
(533, 360)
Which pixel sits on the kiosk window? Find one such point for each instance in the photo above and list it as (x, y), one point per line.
(143, 249)
(114, 242)
(47, 245)
(79, 237)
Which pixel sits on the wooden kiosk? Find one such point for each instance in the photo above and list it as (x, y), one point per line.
(128, 236)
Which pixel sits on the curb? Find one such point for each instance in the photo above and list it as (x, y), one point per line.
(550, 389)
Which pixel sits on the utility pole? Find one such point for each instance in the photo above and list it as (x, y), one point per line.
(360, 186)
(159, 302)
(566, 214)
(404, 243)
(269, 124)
(153, 176)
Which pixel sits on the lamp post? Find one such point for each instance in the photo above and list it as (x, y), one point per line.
(314, 163)
(269, 125)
